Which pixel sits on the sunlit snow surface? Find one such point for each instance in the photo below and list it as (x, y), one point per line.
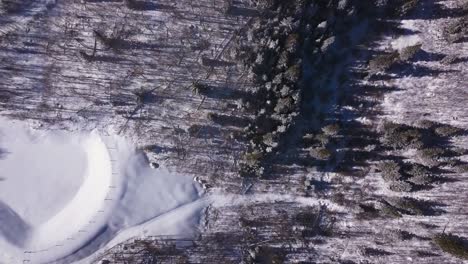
(65, 196)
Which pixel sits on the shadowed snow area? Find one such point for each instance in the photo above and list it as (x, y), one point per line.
(65, 195)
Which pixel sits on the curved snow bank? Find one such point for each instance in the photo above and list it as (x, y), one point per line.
(65, 196)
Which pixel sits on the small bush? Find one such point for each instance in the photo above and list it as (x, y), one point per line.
(431, 156)
(293, 73)
(412, 206)
(390, 211)
(420, 175)
(320, 153)
(409, 52)
(270, 140)
(323, 139)
(447, 131)
(401, 136)
(400, 186)
(143, 96)
(253, 158)
(383, 62)
(12, 6)
(426, 124)
(199, 88)
(407, 7)
(390, 170)
(292, 43)
(452, 244)
(368, 212)
(461, 168)
(449, 59)
(331, 130)
(284, 105)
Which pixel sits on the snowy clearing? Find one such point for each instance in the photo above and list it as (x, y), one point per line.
(64, 195)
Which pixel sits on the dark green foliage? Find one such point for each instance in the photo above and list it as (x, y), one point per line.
(452, 244)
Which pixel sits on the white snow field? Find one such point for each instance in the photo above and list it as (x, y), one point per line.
(64, 196)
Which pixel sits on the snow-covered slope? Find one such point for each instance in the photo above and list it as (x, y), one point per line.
(60, 191)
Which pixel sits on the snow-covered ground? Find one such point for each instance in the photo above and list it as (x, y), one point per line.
(65, 195)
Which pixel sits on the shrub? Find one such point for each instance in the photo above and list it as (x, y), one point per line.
(400, 186)
(431, 156)
(390, 170)
(12, 6)
(452, 244)
(447, 131)
(389, 210)
(199, 88)
(457, 30)
(142, 95)
(368, 212)
(461, 168)
(331, 130)
(401, 136)
(253, 158)
(420, 175)
(270, 140)
(269, 255)
(320, 153)
(293, 73)
(383, 62)
(412, 206)
(426, 124)
(449, 59)
(292, 43)
(409, 52)
(323, 139)
(407, 6)
(284, 105)
(194, 130)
